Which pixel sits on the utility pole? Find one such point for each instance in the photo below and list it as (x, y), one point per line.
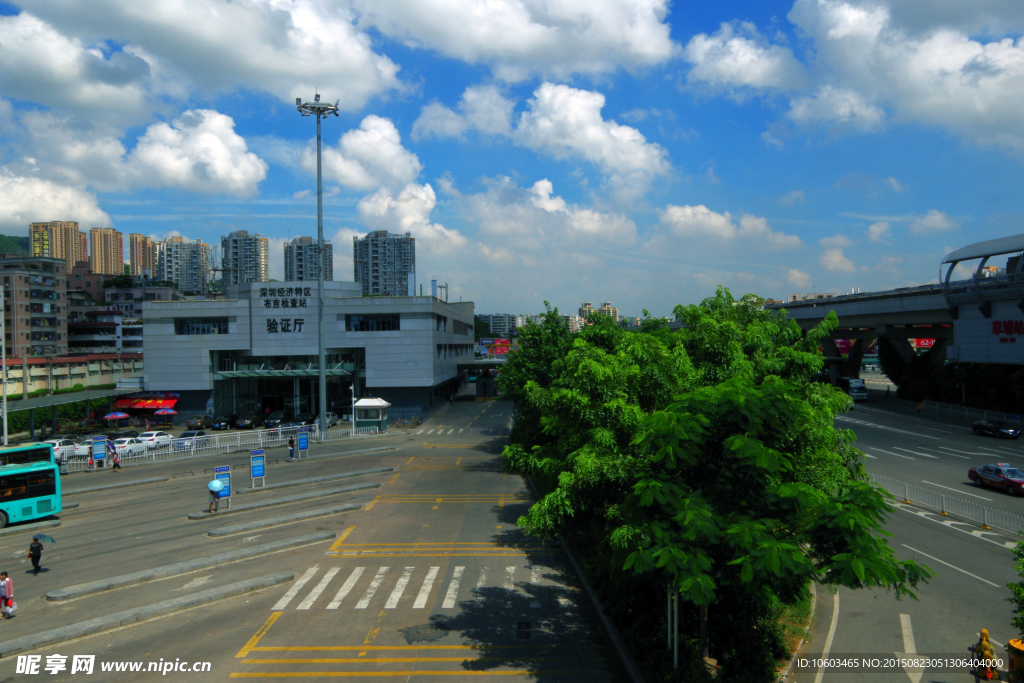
(319, 110)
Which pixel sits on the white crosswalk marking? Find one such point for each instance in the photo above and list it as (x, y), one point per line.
(315, 593)
(450, 431)
(378, 578)
(296, 587)
(431, 431)
(509, 585)
(480, 582)
(396, 594)
(420, 432)
(534, 582)
(460, 431)
(428, 585)
(346, 587)
(453, 588)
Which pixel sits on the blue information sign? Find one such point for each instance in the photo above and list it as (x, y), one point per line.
(99, 447)
(257, 463)
(303, 440)
(224, 474)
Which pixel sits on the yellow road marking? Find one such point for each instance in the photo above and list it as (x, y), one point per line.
(384, 553)
(359, 545)
(458, 460)
(248, 647)
(341, 674)
(370, 506)
(469, 424)
(345, 648)
(476, 418)
(341, 539)
(411, 458)
(449, 445)
(397, 474)
(373, 632)
(413, 660)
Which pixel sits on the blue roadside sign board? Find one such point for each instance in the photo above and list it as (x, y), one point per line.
(257, 463)
(224, 474)
(99, 447)
(303, 440)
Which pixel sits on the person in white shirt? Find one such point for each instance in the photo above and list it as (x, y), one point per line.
(6, 595)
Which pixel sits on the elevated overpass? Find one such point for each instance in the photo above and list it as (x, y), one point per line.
(977, 320)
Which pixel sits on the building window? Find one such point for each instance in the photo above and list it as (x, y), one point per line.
(372, 323)
(442, 323)
(459, 327)
(200, 326)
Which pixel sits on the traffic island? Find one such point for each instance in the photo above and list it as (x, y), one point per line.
(282, 520)
(118, 485)
(35, 526)
(315, 480)
(246, 507)
(133, 616)
(342, 454)
(135, 578)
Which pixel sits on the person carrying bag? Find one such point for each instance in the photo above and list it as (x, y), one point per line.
(7, 596)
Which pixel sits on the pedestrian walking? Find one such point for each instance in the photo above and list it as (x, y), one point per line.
(35, 553)
(291, 447)
(116, 459)
(887, 391)
(451, 399)
(6, 595)
(214, 500)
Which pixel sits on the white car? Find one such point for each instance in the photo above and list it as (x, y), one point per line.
(332, 419)
(84, 448)
(155, 439)
(129, 447)
(62, 448)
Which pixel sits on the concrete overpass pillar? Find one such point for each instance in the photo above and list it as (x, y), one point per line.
(828, 345)
(937, 355)
(851, 367)
(898, 342)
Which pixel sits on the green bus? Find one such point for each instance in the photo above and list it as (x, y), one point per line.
(29, 483)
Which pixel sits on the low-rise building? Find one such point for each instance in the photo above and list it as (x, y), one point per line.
(36, 309)
(96, 330)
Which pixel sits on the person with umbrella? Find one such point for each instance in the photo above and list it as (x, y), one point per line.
(35, 553)
(213, 489)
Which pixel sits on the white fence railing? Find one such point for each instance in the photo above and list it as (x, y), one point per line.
(232, 442)
(969, 414)
(952, 505)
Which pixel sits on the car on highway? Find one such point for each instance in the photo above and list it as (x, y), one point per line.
(155, 439)
(249, 421)
(224, 422)
(62, 448)
(129, 447)
(199, 422)
(194, 438)
(274, 419)
(999, 476)
(996, 429)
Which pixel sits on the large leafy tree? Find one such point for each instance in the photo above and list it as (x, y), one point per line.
(703, 456)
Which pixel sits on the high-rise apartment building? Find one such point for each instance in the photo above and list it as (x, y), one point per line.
(107, 254)
(502, 324)
(58, 239)
(184, 262)
(35, 320)
(302, 259)
(385, 264)
(244, 258)
(141, 255)
(606, 309)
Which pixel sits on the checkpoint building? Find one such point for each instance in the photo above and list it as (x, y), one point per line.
(257, 349)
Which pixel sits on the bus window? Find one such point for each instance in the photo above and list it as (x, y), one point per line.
(13, 487)
(23, 456)
(41, 484)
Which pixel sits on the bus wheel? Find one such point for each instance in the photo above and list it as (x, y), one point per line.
(3, 519)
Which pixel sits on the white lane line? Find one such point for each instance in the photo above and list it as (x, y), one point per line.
(296, 587)
(952, 566)
(428, 585)
(923, 455)
(346, 587)
(315, 593)
(949, 451)
(955, 450)
(880, 450)
(868, 455)
(420, 432)
(364, 602)
(396, 594)
(952, 524)
(963, 493)
(994, 642)
(509, 583)
(888, 429)
(997, 451)
(535, 582)
(909, 646)
(453, 588)
(431, 431)
(480, 581)
(450, 431)
(831, 635)
(460, 431)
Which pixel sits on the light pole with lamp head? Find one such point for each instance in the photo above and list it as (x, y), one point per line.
(319, 110)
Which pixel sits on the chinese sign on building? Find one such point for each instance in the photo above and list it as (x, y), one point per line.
(1008, 327)
(285, 297)
(275, 325)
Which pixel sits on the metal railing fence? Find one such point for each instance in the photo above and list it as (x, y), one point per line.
(952, 505)
(969, 414)
(232, 442)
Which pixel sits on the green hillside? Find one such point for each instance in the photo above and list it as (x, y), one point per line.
(14, 245)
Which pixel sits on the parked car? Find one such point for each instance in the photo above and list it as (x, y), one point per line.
(195, 438)
(83, 449)
(290, 428)
(1001, 476)
(62, 448)
(304, 418)
(250, 421)
(129, 447)
(274, 419)
(155, 439)
(996, 429)
(123, 434)
(224, 422)
(199, 422)
(332, 419)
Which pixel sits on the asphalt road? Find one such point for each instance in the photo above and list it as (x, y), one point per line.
(431, 579)
(973, 567)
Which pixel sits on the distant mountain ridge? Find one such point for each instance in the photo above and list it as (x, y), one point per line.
(14, 245)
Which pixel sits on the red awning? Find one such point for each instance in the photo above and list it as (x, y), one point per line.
(148, 403)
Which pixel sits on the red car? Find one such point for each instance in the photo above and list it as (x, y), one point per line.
(1000, 476)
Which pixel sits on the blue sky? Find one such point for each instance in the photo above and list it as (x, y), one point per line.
(631, 151)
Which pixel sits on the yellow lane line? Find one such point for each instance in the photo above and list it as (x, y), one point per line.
(449, 445)
(371, 504)
(248, 647)
(345, 648)
(384, 553)
(359, 545)
(342, 674)
(373, 632)
(412, 660)
(411, 458)
(458, 460)
(341, 539)
(397, 474)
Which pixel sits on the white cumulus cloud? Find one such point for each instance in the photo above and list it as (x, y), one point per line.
(932, 222)
(367, 158)
(798, 278)
(483, 108)
(700, 221)
(31, 200)
(834, 260)
(879, 232)
(840, 106)
(836, 241)
(737, 57)
(409, 211)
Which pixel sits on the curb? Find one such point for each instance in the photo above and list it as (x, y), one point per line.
(314, 480)
(284, 519)
(135, 578)
(283, 501)
(810, 622)
(68, 506)
(105, 487)
(367, 451)
(11, 530)
(132, 616)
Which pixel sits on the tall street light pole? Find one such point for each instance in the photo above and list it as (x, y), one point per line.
(319, 110)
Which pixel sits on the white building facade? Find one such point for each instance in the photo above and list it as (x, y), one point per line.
(302, 260)
(257, 349)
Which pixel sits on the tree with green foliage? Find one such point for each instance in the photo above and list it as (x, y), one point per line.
(705, 457)
(119, 282)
